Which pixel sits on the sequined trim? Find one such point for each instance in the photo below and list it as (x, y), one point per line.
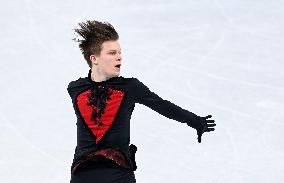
(111, 154)
(97, 100)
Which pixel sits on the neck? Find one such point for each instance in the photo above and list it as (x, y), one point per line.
(97, 77)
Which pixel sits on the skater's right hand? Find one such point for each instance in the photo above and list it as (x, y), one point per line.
(205, 124)
(133, 150)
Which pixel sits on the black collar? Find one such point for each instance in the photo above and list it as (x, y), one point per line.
(101, 82)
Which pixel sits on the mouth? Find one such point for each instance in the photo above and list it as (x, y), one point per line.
(118, 66)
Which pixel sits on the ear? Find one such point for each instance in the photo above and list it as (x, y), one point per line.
(93, 59)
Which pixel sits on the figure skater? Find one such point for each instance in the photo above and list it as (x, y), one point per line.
(103, 103)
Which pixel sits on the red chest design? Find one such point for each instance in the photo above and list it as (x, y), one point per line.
(100, 115)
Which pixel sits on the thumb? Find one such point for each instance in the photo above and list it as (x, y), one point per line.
(199, 134)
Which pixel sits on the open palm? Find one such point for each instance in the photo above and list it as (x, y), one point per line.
(206, 126)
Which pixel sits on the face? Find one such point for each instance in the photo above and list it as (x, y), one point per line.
(110, 56)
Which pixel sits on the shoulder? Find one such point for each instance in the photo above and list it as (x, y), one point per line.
(136, 85)
(132, 81)
(74, 83)
(128, 80)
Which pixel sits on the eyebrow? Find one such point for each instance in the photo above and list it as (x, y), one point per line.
(113, 50)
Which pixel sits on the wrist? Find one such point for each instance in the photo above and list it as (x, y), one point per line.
(196, 123)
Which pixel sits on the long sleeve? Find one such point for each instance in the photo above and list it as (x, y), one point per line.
(70, 88)
(143, 95)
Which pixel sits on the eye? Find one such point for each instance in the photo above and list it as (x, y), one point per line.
(112, 53)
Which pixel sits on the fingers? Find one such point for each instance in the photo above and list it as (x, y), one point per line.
(211, 125)
(208, 116)
(211, 122)
(209, 129)
(208, 120)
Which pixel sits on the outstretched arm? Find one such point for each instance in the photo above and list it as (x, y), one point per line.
(143, 95)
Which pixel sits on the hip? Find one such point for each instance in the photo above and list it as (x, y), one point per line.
(102, 171)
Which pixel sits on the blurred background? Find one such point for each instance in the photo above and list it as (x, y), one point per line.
(218, 57)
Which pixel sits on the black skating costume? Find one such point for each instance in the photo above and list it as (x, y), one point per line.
(103, 111)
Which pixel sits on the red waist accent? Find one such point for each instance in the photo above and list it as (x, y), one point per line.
(111, 154)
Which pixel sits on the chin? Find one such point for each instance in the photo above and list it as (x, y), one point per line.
(116, 74)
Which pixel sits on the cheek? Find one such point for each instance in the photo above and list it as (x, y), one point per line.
(109, 65)
(107, 62)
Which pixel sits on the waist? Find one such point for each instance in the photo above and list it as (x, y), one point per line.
(101, 157)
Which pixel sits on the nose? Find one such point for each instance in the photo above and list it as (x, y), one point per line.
(119, 57)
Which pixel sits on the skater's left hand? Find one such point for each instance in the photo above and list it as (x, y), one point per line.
(205, 124)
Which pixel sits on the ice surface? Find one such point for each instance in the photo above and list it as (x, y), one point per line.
(217, 57)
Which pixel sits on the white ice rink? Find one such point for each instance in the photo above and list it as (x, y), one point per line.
(219, 57)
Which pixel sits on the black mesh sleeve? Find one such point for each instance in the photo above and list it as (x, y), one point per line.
(143, 95)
